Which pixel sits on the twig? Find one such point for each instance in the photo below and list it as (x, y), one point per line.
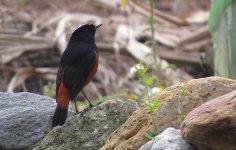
(179, 56)
(21, 38)
(11, 53)
(201, 33)
(153, 32)
(44, 25)
(172, 19)
(145, 13)
(24, 73)
(196, 46)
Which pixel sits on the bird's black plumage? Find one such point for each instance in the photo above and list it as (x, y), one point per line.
(77, 67)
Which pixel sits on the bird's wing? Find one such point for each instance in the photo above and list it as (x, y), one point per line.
(76, 72)
(58, 80)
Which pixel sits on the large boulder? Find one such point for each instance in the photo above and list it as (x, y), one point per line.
(131, 134)
(25, 118)
(212, 126)
(169, 139)
(89, 129)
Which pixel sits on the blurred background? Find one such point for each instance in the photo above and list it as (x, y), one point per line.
(170, 38)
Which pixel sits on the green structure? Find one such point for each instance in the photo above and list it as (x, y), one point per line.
(222, 24)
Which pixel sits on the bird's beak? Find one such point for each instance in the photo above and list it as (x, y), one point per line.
(98, 26)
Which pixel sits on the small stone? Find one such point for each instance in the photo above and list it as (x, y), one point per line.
(170, 139)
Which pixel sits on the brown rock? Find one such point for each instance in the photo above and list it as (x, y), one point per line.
(130, 136)
(212, 126)
(199, 92)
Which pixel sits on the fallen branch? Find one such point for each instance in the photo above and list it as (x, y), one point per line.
(196, 46)
(201, 33)
(146, 13)
(44, 25)
(23, 73)
(11, 53)
(178, 56)
(168, 18)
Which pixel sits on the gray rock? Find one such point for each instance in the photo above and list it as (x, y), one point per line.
(170, 139)
(25, 118)
(89, 130)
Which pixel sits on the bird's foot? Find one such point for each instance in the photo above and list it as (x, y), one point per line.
(91, 105)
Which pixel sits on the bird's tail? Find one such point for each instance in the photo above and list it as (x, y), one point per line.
(60, 115)
(63, 99)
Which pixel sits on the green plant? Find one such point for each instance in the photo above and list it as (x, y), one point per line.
(157, 65)
(150, 134)
(124, 3)
(218, 8)
(151, 28)
(49, 89)
(155, 105)
(148, 79)
(182, 92)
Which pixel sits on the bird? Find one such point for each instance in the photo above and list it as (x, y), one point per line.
(77, 67)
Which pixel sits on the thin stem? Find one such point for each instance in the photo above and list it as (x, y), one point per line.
(153, 30)
(181, 105)
(149, 102)
(149, 99)
(153, 43)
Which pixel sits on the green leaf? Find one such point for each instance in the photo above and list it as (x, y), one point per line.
(49, 89)
(150, 42)
(142, 79)
(141, 69)
(181, 118)
(149, 81)
(148, 19)
(183, 91)
(147, 29)
(147, 102)
(155, 105)
(172, 66)
(149, 54)
(124, 3)
(218, 8)
(150, 134)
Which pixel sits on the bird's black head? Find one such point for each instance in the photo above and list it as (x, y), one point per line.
(85, 33)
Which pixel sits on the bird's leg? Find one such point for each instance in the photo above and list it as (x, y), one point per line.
(76, 109)
(90, 104)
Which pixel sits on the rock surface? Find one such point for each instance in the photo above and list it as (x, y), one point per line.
(131, 134)
(212, 126)
(25, 118)
(89, 130)
(169, 139)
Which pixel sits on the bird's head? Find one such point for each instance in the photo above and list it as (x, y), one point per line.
(85, 33)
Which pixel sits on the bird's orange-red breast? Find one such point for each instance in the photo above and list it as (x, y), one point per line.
(77, 67)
